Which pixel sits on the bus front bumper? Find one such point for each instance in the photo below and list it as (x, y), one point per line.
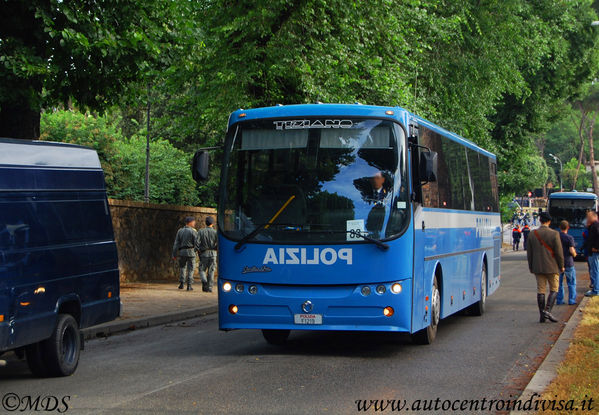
(244, 305)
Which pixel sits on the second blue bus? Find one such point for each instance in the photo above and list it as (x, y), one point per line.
(572, 207)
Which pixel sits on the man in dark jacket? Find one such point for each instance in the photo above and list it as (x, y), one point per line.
(592, 244)
(516, 235)
(546, 261)
(525, 233)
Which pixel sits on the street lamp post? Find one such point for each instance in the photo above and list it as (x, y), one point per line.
(558, 160)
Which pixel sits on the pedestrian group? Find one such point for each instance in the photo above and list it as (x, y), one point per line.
(551, 256)
(187, 242)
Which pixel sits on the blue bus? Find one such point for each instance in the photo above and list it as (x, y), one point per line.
(352, 217)
(572, 206)
(58, 258)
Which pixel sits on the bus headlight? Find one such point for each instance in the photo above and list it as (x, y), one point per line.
(396, 288)
(227, 286)
(233, 309)
(253, 289)
(365, 290)
(388, 311)
(239, 288)
(380, 289)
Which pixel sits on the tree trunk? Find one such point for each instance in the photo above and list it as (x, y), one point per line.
(580, 127)
(19, 122)
(592, 155)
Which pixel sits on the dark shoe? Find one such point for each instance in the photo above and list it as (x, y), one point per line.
(541, 304)
(189, 287)
(180, 286)
(549, 306)
(209, 290)
(590, 293)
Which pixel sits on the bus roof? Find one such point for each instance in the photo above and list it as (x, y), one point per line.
(348, 110)
(43, 154)
(572, 195)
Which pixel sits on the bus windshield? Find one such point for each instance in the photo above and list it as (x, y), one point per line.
(572, 210)
(314, 180)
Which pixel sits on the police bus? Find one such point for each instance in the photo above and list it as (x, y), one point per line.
(352, 217)
(572, 206)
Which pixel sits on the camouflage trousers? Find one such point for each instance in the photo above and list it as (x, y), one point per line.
(207, 269)
(187, 266)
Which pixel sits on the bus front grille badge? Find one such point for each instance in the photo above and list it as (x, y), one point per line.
(307, 306)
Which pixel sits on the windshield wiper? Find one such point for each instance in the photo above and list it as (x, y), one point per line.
(266, 225)
(377, 242)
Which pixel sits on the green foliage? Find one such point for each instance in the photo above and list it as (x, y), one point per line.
(507, 207)
(170, 178)
(496, 72)
(527, 171)
(54, 51)
(584, 180)
(123, 159)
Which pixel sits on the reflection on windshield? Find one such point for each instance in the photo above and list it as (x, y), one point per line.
(341, 179)
(572, 210)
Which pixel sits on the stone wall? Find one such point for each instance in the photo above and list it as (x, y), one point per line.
(144, 235)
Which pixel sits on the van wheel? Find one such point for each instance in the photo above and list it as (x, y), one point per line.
(478, 308)
(61, 350)
(36, 363)
(428, 335)
(276, 337)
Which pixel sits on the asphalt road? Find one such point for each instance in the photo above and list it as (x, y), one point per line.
(191, 367)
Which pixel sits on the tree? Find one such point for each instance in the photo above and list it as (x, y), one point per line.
(587, 109)
(573, 178)
(54, 51)
(496, 72)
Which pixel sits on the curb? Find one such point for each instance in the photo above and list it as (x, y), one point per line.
(548, 369)
(115, 327)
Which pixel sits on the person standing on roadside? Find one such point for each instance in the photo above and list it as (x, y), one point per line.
(525, 233)
(207, 244)
(184, 251)
(569, 248)
(592, 244)
(585, 249)
(516, 235)
(546, 260)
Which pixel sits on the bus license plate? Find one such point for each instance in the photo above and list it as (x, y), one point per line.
(307, 318)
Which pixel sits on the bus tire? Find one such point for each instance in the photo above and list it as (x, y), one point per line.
(61, 350)
(276, 337)
(35, 360)
(478, 308)
(428, 334)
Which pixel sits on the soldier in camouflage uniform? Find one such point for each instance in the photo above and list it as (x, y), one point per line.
(207, 245)
(184, 251)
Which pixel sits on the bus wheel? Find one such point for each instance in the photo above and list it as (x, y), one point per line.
(36, 363)
(61, 350)
(427, 335)
(478, 308)
(276, 337)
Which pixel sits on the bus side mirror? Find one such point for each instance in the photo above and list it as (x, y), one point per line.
(200, 166)
(428, 166)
